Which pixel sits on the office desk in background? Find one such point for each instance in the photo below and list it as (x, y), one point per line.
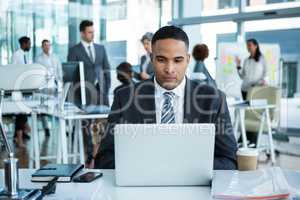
(77, 116)
(105, 189)
(33, 108)
(239, 120)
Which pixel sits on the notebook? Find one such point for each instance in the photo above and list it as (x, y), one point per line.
(265, 184)
(65, 172)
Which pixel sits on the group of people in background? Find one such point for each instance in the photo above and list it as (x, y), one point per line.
(97, 74)
(49, 60)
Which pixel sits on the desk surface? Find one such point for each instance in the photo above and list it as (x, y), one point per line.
(27, 106)
(105, 189)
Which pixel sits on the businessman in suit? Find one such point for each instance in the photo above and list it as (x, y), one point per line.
(170, 97)
(97, 79)
(96, 65)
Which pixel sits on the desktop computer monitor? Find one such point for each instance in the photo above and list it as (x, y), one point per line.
(23, 77)
(73, 73)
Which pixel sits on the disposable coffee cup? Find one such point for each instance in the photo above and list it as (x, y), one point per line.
(247, 159)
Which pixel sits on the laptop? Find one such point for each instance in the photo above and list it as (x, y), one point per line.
(164, 154)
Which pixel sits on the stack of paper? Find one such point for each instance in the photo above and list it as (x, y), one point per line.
(266, 184)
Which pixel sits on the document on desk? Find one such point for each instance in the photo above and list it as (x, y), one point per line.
(265, 184)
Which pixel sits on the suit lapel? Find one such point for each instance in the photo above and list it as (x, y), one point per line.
(146, 102)
(189, 107)
(96, 53)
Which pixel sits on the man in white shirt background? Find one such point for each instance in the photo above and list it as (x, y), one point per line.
(51, 61)
(22, 127)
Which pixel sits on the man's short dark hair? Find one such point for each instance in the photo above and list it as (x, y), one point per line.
(170, 32)
(84, 24)
(24, 40)
(44, 41)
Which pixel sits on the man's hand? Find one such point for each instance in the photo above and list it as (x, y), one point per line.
(144, 76)
(238, 63)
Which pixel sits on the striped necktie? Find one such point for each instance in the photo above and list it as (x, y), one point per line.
(167, 114)
(90, 54)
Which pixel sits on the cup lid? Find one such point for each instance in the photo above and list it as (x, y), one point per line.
(247, 152)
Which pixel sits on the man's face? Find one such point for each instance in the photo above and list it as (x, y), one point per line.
(170, 60)
(147, 45)
(88, 34)
(26, 46)
(46, 47)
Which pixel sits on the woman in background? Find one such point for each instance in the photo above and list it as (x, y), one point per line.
(254, 68)
(200, 53)
(124, 75)
(146, 67)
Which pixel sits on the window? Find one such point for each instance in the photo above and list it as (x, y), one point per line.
(223, 4)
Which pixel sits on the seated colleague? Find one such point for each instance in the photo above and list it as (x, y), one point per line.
(124, 75)
(200, 53)
(170, 97)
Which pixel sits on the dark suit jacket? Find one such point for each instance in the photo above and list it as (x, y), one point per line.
(97, 70)
(203, 104)
(149, 69)
(200, 67)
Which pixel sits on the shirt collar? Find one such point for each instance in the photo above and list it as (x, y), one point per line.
(86, 44)
(45, 55)
(178, 91)
(22, 51)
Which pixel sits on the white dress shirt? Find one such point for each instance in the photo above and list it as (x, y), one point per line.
(86, 45)
(18, 57)
(52, 63)
(178, 101)
(252, 73)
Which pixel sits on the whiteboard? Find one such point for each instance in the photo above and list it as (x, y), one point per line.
(227, 77)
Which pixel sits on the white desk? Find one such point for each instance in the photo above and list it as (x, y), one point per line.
(105, 189)
(70, 113)
(25, 107)
(239, 120)
(78, 140)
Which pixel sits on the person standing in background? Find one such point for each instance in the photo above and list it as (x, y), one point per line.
(96, 65)
(254, 68)
(146, 67)
(19, 56)
(22, 127)
(97, 78)
(49, 60)
(200, 53)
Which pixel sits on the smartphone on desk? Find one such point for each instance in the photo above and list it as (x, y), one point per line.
(87, 177)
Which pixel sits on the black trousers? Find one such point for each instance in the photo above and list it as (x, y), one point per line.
(21, 120)
(244, 95)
